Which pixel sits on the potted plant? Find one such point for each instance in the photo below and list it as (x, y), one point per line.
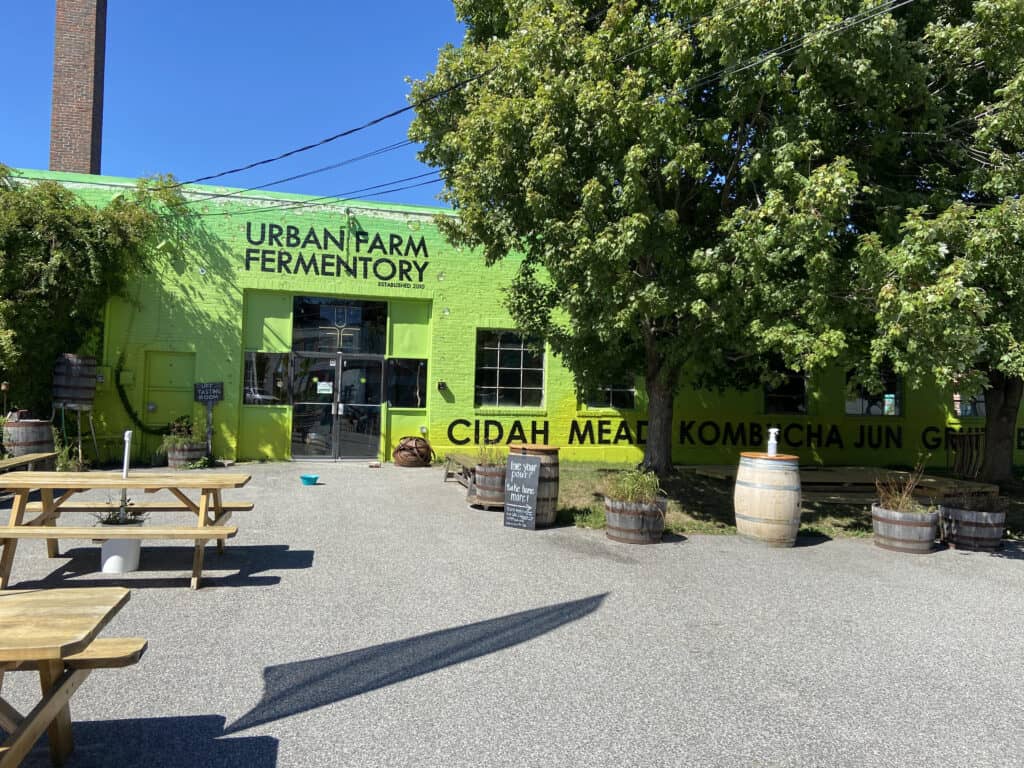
(120, 555)
(183, 444)
(634, 508)
(974, 522)
(899, 521)
(488, 487)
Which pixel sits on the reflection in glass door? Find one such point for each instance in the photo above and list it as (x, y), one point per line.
(336, 405)
(314, 405)
(360, 387)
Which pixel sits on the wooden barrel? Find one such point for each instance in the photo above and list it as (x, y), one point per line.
(767, 498)
(489, 487)
(970, 529)
(179, 457)
(634, 522)
(74, 381)
(29, 436)
(904, 531)
(547, 486)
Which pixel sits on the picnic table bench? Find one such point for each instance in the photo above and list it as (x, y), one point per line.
(459, 467)
(211, 512)
(53, 632)
(26, 460)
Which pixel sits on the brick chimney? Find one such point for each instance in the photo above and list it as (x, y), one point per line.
(76, 118)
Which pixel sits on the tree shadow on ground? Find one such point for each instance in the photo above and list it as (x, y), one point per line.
(300, 686)
(159, 742)
(244, 562)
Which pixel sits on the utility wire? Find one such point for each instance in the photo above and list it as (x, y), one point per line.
(322, 169)
(342, 134)
(340, 197)
(843, 25)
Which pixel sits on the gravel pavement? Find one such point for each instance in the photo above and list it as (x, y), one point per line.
(376, 620)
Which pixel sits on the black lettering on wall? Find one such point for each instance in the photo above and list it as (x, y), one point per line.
(417, 249)
(451, 432)
(582, 436)
(789, 439)
(708, 433)
(604, 429)
(622, 434)
(684, 432)
(291, 236)
(516, 433)
(274, 235)
(329, 239)
(539, 435)
(250, 238)
(734, 435)
(312, 239)
(930, 438)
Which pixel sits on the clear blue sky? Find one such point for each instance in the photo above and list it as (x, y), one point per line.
(195, 87)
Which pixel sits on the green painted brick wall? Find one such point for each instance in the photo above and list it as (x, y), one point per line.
(209, 299)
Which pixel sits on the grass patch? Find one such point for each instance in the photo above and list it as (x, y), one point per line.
(698, 504)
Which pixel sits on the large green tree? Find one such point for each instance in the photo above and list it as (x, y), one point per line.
(951, 287)
(61, 259)
(686, 179)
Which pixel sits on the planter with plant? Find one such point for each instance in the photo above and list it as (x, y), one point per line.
(184, 444)
(634, 508)
(488, 486)
(899, 521)
(120, 555)
(973, 522)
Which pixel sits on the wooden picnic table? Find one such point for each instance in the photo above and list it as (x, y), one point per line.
(54, 631)
(210, 510)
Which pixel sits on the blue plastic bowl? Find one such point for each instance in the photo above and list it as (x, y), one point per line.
(309, 479)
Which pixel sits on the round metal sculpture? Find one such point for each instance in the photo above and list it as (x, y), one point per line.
(413, 452)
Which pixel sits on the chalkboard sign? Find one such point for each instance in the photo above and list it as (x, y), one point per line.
(209, 392)
(522, 476)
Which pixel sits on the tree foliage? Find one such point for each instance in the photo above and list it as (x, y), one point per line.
(61, 259)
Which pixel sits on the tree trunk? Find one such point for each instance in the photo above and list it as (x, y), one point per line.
(1002, 403)
(661, 386)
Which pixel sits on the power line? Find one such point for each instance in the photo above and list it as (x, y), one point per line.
(844, 24)
(342, 134)
(335, 198)
(839, 26)
(322, 169)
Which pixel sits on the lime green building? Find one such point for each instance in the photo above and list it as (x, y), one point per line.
(335, 329)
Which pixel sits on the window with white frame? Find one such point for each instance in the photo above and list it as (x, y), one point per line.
(509, 369)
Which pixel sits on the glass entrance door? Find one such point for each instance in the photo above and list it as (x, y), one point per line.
(360, 389)
(336, 405)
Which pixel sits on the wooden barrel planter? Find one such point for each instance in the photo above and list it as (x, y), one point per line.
(29, 436)
(489, 487)
(547, 487)
(767, 498)
(634, 522)
(74, 382)
(909, 532)
(180, 456)
(972, 530)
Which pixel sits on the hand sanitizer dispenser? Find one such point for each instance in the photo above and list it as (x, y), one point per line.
(773, 440)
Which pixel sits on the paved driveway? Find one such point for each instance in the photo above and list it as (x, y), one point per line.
(375, 620)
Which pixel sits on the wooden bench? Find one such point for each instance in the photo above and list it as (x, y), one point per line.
(26, 460)
(199, 534)
(147, 506)
(101, 653)
(460, 467)
(59, 681)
